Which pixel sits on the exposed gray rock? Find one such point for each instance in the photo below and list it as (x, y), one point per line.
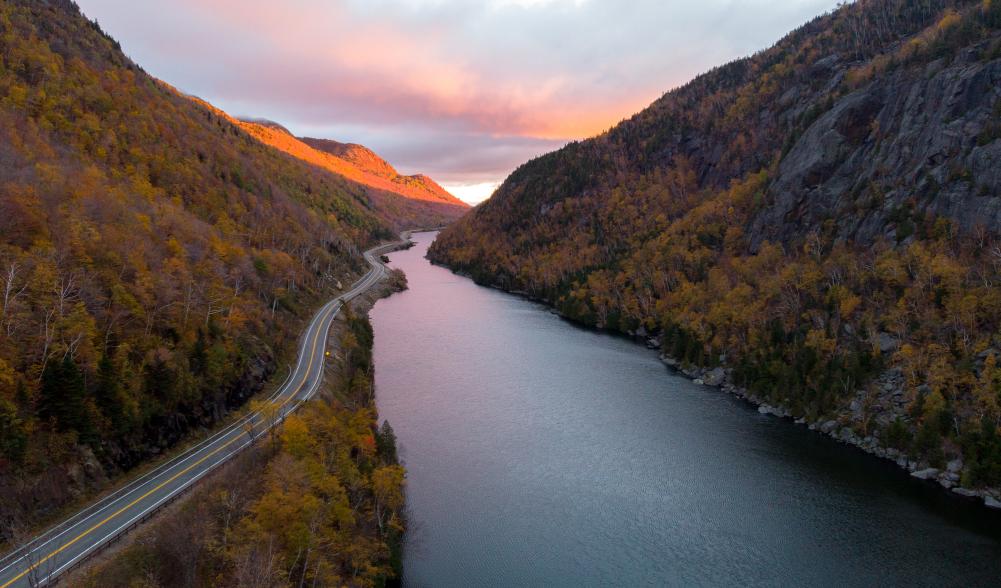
(828, 426)
(955, 466)
(965, 492)
(887, 343)
(991, 502)
(714, 377)
(772, 410)
(908, 128)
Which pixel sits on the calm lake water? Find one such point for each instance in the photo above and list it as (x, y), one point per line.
(542, 454)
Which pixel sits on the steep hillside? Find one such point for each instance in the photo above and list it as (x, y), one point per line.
(819, 220)
(360, 156)
(405, 201)
(327, 484)
(154, 259)
(371, 166)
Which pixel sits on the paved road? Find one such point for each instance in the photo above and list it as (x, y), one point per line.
(60, 548)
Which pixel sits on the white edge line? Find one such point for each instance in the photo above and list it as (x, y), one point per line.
(367, 282)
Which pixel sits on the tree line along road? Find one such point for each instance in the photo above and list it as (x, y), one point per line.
(44, 558)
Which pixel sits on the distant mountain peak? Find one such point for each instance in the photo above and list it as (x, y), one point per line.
(425, 200)
(360, 155)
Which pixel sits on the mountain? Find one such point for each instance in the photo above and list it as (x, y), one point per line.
(405, 201)
(157, 260)
(816, 226)
(373, 168)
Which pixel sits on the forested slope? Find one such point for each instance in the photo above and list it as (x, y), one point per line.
(820, 219)
(406, 202)
(154, 258)
(377, 172)
(325, 509)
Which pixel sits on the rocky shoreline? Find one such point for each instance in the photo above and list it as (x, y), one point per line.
(840, 430)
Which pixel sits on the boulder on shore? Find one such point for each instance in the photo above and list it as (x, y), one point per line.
(925, 474)
(714, 377)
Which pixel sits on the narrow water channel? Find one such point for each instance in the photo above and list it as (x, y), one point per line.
(543, 454)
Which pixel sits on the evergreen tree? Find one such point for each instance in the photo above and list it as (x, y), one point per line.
(13, 438)
(62, 398)
(109, 393)
(385, 443)
(199, 356)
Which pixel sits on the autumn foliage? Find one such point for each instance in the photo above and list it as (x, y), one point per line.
(406, 202)
(155, 259)
(327, 511)
(654, 227)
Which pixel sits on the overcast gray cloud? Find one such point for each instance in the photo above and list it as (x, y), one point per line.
(462, 90)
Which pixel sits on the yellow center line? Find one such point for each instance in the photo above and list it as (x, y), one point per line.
(309, 368)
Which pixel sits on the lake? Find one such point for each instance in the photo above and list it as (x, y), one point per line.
(544, 454)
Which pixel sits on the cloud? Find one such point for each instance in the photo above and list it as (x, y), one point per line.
(461, 89)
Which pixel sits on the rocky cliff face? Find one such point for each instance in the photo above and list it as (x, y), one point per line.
(920, 139)
(815, 227)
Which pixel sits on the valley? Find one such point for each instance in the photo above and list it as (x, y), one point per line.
(262, 326)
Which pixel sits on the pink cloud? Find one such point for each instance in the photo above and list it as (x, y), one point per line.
(427, 76)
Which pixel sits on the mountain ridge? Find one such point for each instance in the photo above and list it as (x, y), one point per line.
(370, 162)
(156, 260)
(411, 201)
(812, 220)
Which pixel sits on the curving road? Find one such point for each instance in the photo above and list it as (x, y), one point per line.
(62, 547)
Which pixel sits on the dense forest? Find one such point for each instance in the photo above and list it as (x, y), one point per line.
(819, 221)
(328, 510)
(156, 261)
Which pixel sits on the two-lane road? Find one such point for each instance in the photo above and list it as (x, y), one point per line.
(67, 544)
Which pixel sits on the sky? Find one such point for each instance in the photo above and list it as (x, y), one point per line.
(462, 90)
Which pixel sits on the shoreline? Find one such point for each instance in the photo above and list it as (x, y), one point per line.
(945, 480)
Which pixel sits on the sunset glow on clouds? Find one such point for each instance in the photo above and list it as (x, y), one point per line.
(462, 90)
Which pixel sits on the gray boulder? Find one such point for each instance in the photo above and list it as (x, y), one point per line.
(714, 377)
